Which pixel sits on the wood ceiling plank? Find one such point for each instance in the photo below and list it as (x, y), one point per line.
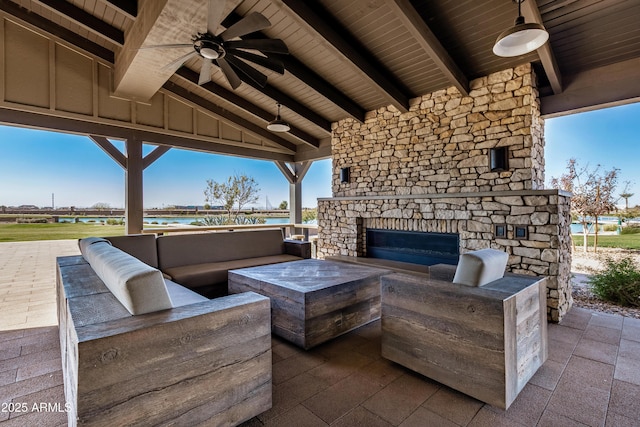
(330, 29)
(85, 19)
(245, 105)
(310, 77)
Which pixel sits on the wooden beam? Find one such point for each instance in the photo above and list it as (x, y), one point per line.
(128, 7)
(154, 155)
(308, 76)
(133, 177)
(227, 115)
(242, 103)
(43, 24)
(416, 26)
(607, 86)
(284, 168)
(323, 23)
(110, 149)
(63, 124)
(293, 105)
(532, 14)
(84, 19)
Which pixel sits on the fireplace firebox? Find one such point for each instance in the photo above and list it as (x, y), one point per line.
(413, 246)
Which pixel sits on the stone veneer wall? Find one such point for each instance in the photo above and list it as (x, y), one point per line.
(428, 170)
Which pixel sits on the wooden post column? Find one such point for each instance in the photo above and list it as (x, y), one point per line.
(133, 164)
(294, 172)
(134, 206)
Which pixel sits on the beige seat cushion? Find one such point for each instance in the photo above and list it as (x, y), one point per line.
(481, 267)
(194, 276)
(182, 296)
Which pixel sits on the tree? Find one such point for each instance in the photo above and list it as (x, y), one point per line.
(593, 194)
(283, 205)
(626, 195)
(237, 191)
(101, 206)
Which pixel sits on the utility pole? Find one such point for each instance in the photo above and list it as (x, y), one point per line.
(53, 206)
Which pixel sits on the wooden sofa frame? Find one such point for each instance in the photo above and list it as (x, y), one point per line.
(202, 363)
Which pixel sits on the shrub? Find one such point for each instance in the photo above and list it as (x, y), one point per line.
(610, 227)
(618, 283)
(631, 229)
(31, 220)
(113, 221)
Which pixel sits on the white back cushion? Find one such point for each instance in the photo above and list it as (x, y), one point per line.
(138, 286)
(480, 267)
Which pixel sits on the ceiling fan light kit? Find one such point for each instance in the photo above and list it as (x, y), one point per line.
(277, 124)
(520, 39)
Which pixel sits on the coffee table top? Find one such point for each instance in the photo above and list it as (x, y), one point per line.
(308, 275)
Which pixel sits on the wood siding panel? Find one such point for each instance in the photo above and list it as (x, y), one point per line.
(73, 81)
(207, 125)
(180, 116)
(152, 113)
(108, 106)
(26, 79)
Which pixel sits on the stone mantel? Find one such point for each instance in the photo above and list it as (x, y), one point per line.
(451, 195)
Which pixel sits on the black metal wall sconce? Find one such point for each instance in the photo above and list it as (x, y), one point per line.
(499, 159)
(344, 175)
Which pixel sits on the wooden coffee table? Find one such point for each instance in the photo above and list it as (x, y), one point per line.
(313, 300)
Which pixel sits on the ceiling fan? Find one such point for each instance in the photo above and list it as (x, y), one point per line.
(229, 52)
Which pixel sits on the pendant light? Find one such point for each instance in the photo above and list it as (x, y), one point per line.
(521, 38)
(277, 124)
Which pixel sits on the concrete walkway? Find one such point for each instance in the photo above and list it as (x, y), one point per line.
(592, 376)
(28, 282)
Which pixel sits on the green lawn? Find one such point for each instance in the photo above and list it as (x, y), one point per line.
(11, 232)
(624, 241)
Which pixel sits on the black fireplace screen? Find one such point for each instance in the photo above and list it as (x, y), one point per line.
(413, 246)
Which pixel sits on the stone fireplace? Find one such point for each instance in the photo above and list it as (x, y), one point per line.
(429, 170)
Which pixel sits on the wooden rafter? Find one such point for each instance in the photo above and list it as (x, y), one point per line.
(323, 23)
(532, 14)
(308, 76)
(227, 115)
(128, 7)
(85, 20)
(412, 21)
(292, 104)
(242, 103)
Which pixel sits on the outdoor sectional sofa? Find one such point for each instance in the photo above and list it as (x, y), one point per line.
(139, 348)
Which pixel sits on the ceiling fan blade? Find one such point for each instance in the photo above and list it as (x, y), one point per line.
(214, 15)
(166, 46)
(249, 24)
(229, 73)
(248, 71)
(180, 61)
(205, 72)
(263, 45)
(270, 63)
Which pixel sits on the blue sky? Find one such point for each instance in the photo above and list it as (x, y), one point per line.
(35, 164)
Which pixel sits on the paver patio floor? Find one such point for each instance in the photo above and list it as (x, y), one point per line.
(592, 376)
